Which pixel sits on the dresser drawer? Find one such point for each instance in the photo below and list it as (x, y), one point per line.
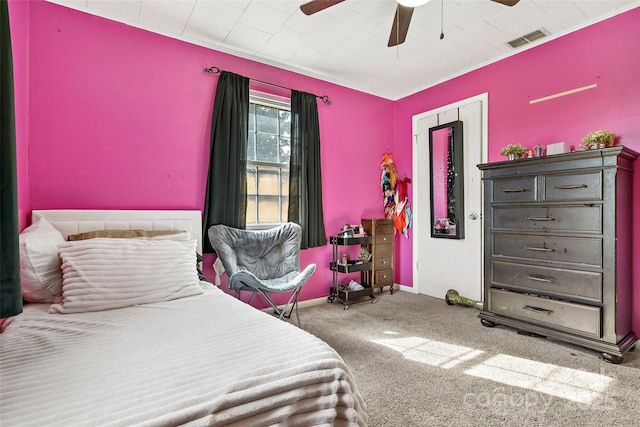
(577, 250)
(583, 218)
(585, 284)
(383, 278)
(382, 262)
(584, 186)
(383, 235)
(557, 314)
(518, 189)
(384, 250)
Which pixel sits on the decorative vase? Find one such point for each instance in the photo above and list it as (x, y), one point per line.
(512, 156)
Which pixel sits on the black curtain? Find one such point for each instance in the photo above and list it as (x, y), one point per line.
(305, 179)
(10, 291)
(226, 196)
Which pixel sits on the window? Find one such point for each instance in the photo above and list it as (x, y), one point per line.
(268, 153)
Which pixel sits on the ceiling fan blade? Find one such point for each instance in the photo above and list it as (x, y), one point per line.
(400, 27)
(507, 2)
(314, 6)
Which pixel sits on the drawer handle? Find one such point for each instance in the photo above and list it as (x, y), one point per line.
(540, 278)
(539, 249)
(514, 190)
(570, 186)
(540, 218)
(537, 309)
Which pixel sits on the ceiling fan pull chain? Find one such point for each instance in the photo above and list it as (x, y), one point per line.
(396, 28)
(441, 19)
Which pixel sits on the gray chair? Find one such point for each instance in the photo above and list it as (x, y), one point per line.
(264, 262)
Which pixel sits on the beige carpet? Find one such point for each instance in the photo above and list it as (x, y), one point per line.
(420, 362)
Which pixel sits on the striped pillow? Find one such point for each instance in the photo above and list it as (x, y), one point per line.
(106, 273)
(130, 234)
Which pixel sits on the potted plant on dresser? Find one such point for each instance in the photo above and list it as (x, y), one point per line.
(598, 139)
(513, 151)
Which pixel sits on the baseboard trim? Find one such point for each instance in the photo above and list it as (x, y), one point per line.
(322, 300)
(410, 289)
(312, 302)
(301, 304)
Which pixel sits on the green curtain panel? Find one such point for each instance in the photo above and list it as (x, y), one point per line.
(10, 291)
(226, 196)
(305, 177)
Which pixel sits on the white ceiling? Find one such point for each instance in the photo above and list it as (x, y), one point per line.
(346, 44)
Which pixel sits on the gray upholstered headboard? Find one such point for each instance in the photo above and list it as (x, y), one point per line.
(80, 221)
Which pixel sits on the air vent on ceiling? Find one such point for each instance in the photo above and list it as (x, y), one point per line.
(528, 38)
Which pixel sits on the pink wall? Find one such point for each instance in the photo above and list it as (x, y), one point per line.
(604, 54)
(120, 118)
(18, 13)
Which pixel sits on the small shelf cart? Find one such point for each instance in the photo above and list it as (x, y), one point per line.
(343, 294)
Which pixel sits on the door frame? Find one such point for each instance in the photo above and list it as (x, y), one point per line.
(419, 191)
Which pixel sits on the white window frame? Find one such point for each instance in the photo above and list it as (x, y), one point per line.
(281, 104)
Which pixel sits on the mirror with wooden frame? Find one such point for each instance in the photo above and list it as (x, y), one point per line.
(447, 180)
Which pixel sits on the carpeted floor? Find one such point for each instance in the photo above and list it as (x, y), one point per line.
(420, 362)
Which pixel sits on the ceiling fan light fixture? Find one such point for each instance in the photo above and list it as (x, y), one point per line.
(412, 3)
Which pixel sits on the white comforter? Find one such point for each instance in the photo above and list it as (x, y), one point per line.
(200, 360)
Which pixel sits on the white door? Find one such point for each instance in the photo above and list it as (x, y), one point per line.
(442, 264)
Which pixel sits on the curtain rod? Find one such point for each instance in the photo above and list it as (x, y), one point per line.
(216, 70)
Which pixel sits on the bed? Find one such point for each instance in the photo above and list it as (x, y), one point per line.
(188, 356)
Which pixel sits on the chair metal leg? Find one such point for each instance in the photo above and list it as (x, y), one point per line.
(282, 313)
(294, 304)
(250, 298)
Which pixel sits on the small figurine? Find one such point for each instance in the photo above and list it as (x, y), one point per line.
(443, 224)
(538, 149)
(365, 256)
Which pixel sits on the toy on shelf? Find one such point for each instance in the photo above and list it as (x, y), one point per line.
(352, 230)
(365, 255)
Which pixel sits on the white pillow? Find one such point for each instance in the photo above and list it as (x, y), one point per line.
(40, 272)
(106, 273)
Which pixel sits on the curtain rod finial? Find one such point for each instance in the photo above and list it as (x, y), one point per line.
(212, 70)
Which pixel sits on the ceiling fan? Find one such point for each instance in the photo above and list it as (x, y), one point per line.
(402, 18)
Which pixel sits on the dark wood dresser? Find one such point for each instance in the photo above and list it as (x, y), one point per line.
(381, 248)
(558, 240)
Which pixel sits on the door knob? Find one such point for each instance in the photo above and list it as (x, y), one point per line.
(473, 215)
